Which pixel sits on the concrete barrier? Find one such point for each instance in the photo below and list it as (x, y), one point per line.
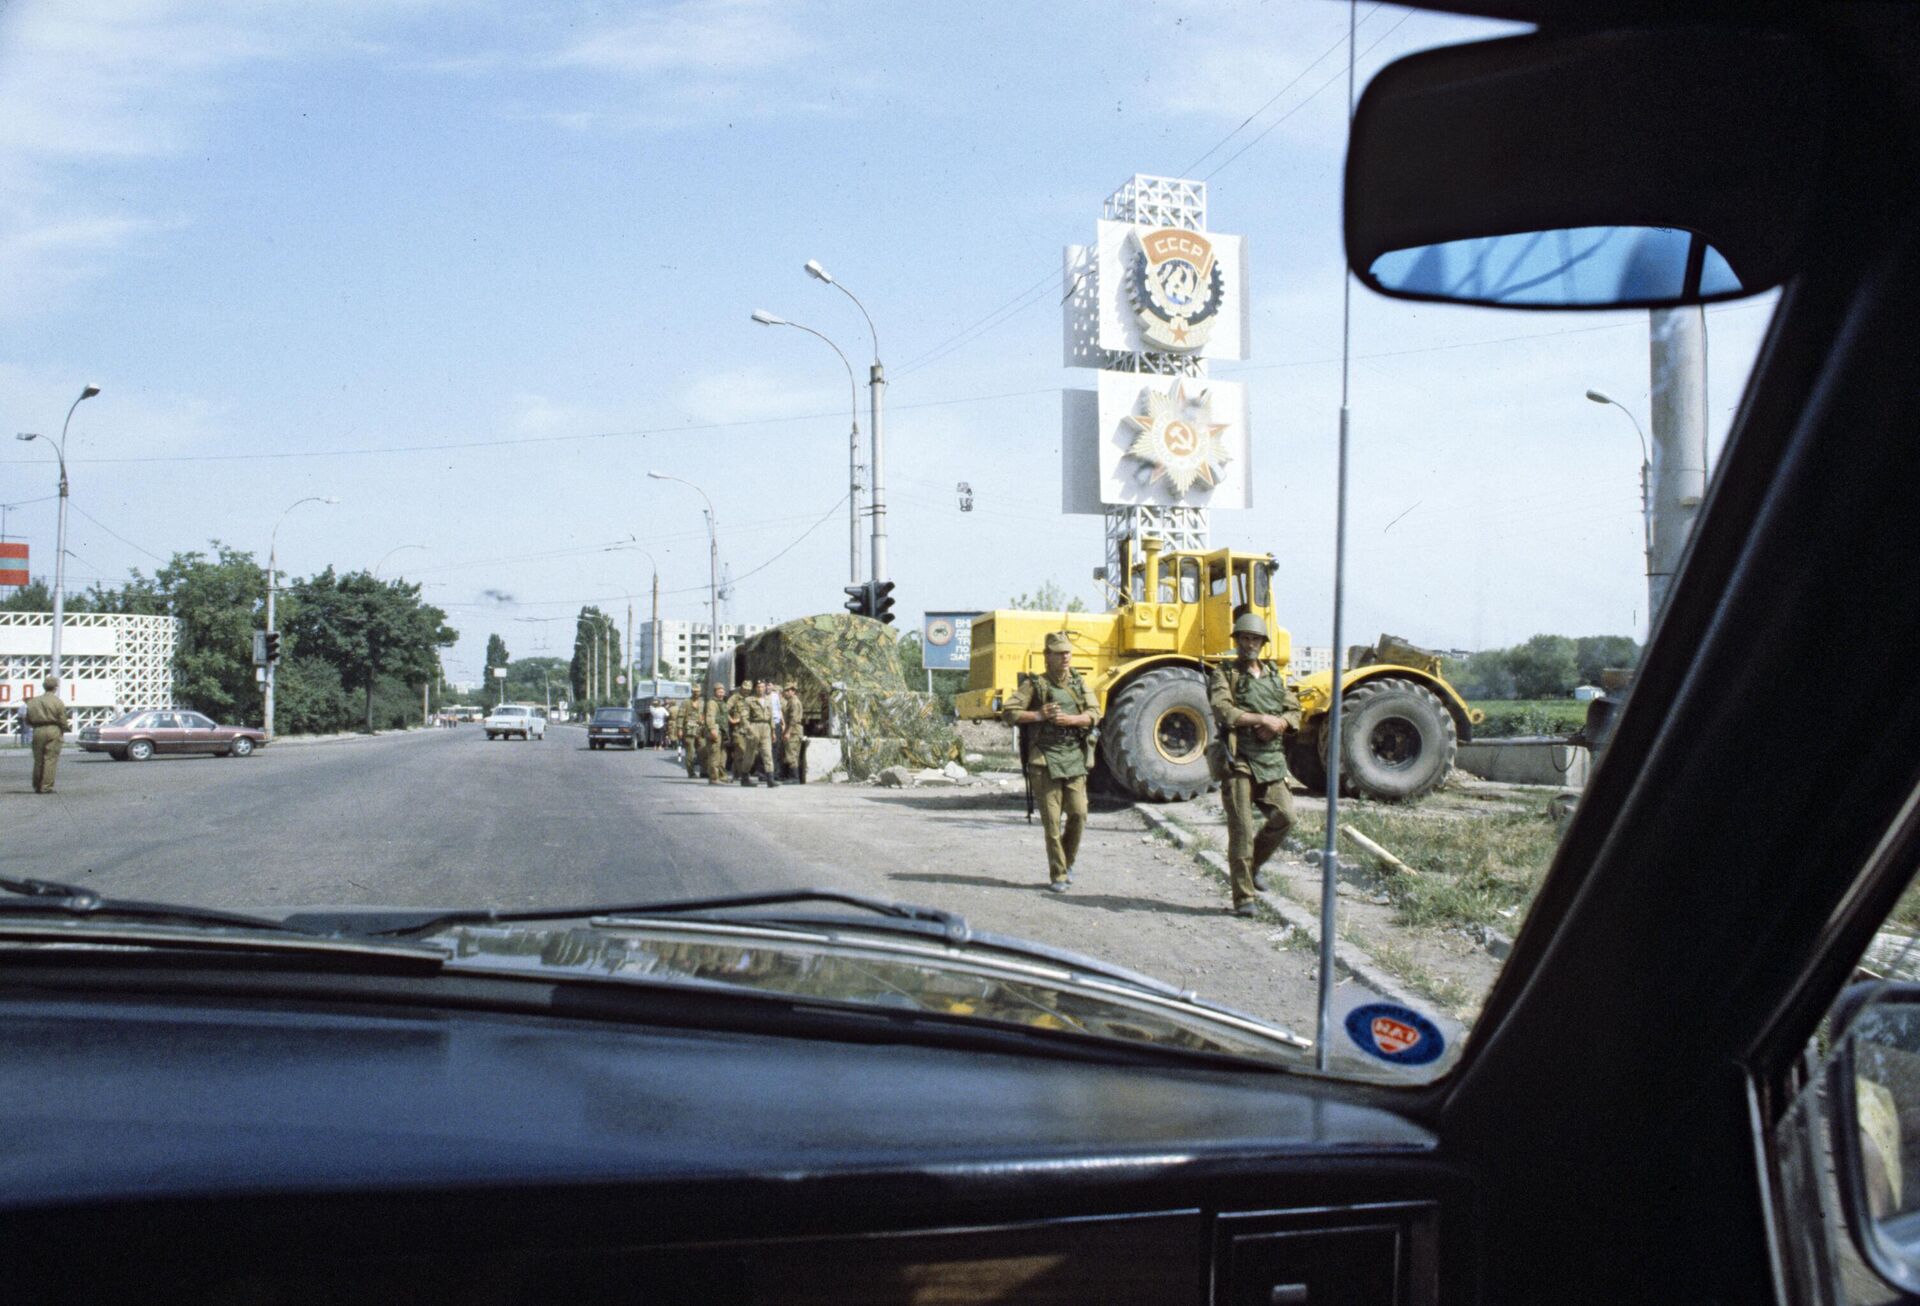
(1541, 760)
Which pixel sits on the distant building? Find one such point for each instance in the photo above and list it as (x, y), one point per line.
(110, 663)
(1309, 658)
(684, 646)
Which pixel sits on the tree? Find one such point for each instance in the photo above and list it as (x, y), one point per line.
(1050, 597)
(529, 679)
(365, 628)
(596, 657)
(1544, 667)
(1597, 653)
(913, 666)
(215, 599)
(496, 657)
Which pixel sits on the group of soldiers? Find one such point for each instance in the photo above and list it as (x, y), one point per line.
(1255, 710)
(736, 735)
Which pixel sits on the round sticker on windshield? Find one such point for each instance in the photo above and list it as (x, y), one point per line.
(1388, 1031)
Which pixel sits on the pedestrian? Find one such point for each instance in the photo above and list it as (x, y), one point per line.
(47, 718)
(752, 727)
(713, 734)
(1059, 717)
(795, 728)
(657, 719)
(686, 717)
(1255, 709)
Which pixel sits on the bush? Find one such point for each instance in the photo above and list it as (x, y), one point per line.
(1517, 717)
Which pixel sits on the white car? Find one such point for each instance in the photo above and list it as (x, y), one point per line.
(512, 719)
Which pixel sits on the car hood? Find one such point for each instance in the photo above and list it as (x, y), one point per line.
(856, 965)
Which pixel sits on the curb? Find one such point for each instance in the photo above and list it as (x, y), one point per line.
(1356, 961)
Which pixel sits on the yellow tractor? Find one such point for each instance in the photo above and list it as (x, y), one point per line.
(1146, 662)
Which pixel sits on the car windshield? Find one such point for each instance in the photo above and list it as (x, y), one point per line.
(936, 391)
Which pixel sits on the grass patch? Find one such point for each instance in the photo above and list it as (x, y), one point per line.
(1906, 912)
(1451, 994)
(1476, 868)
(1510, 718)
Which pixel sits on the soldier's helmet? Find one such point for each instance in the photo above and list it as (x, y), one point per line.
(1250, 624)
(1057, 642)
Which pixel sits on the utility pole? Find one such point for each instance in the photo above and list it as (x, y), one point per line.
(654, 653)
(629, 693)
(1678, 357)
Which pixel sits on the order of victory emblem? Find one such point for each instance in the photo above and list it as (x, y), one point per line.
(1179, 440)
(1176, 287)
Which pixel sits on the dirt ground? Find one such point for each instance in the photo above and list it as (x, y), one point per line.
(1137, 900)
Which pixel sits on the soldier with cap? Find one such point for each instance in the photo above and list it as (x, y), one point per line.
(752, 724)
(47, 718)
(793, 724)
(1256, 710)
(1061, 716)
(681, 727)
(711, 734)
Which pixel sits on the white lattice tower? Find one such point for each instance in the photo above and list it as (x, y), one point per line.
(141, 664)
(1155, 202)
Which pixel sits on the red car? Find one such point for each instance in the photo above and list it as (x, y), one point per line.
(139, 735)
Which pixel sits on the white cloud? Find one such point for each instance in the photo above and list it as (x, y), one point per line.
(695, 36)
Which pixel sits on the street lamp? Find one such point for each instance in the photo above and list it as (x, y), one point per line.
(653, 672)
(765, 318)
(60, 538)
(877, 383)
(389, 553)
(713, 564)
(273, 563)
(1646, 506)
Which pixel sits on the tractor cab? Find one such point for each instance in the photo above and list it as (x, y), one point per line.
(1175, 601)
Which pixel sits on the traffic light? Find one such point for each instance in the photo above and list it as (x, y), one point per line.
(883, 602)
(273, 646)
(859, 600)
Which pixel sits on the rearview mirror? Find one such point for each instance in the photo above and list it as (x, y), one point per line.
(1873, 1089)
(1597, 170)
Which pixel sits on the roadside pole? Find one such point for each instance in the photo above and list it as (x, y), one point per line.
(1677, 353)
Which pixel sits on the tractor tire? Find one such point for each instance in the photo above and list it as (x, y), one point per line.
(1155, 736)
(1307, 757)
(1397, 740)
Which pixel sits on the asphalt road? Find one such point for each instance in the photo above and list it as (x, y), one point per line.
(424, 818)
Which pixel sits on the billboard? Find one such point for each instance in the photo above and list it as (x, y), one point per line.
(1168, 290)
(1160, 440)
(13, 563)
(946, 641)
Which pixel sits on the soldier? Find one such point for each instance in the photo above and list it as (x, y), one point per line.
(1256, 710)
(712, 732)
(685, 717)
(794, 721)
(47, 718)
(752, 736)
(1062, 716)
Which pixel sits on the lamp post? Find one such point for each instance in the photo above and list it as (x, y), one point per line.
(713, 565)
(273, 563)
(60, 535)
(877, 383)
(765, 318)
(653, 672)
(1646, 505)
(389, 553)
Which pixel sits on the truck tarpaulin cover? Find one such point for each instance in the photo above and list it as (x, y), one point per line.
(848, 667)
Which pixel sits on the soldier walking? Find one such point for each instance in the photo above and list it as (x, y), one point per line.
(686, 716)
(1061, 716)
(752, 723)
(712, 733)
(794, 724)
(1256, 710)
(47, 718)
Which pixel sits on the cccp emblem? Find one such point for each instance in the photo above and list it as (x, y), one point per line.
(1176, 288)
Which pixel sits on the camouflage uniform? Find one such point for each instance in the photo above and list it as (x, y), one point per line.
(1259, 805)
(1057, 758)
(682, 729)
(794, 723)
(47, 715)
(752, 736)
(712, 731)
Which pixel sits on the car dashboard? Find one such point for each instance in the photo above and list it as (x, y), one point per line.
(310, 1147)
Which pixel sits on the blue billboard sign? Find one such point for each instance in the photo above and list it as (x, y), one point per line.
(946, 641)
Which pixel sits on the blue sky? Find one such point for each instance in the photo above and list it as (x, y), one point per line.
(476, 268)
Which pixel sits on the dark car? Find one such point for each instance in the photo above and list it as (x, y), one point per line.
(614, 725)
(139, 735)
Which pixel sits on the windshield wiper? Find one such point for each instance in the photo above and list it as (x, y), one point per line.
(52, 897)
(401, 923)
